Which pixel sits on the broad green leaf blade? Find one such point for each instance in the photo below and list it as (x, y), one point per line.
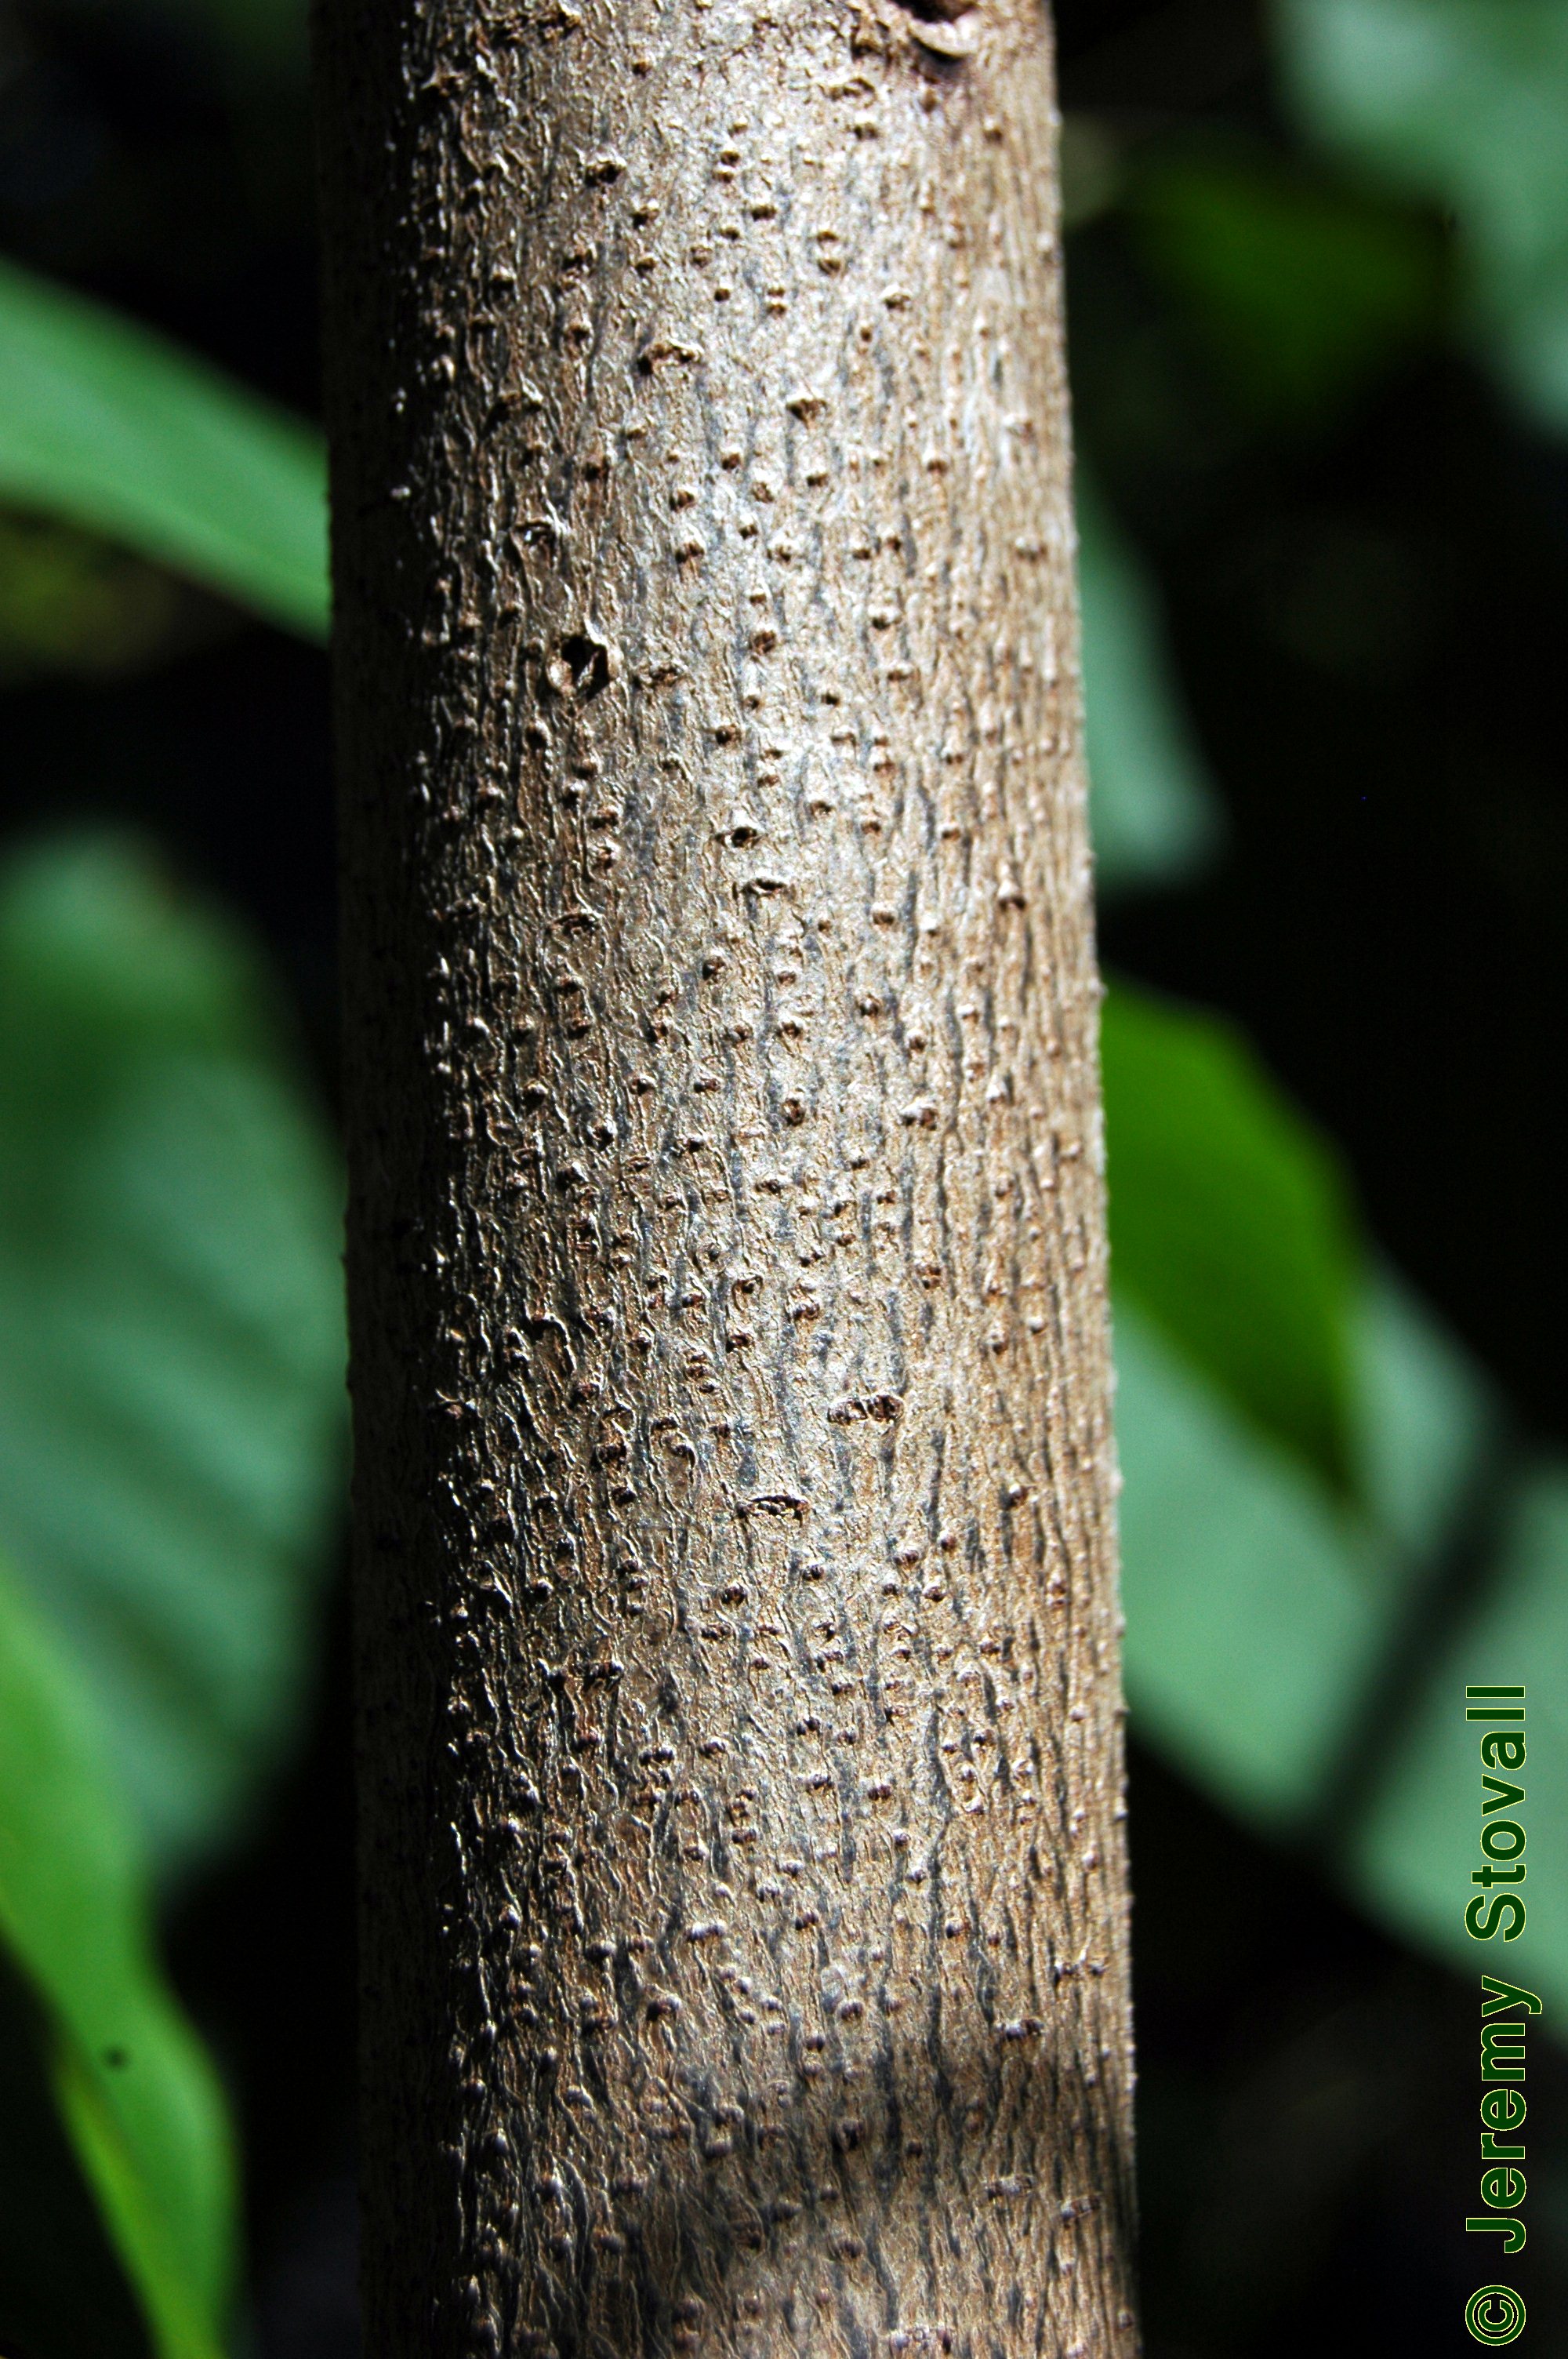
(1464, 102)
(89, 2311)
(1153, 811)
(1274, 1624)
(170, 1329)
(137, 2092)
(1229, 1227)
(1263, 1618)
(1251, 1598)
(1417, 1840)
(1426, 1416)
(1303, 291)
(110, 426)
(1259, 1604)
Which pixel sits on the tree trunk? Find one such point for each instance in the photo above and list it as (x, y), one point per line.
(744, 1930)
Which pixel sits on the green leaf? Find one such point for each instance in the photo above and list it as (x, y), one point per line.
(1153, 811)
(1416, 1838)
(1302, 292)
(1426, 1418)
(172, 1343)
(1251, 1602)
(138, 2094)
(1229, 1227)
(1260, 1603)
(89, 2311)
(1298, 1644)
(1464, 102)
(109, 426)
(1302, 1656)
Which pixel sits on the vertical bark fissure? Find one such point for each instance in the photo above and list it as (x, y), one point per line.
(745, 1944)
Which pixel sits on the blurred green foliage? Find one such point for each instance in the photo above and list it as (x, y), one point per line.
(106, 425)
(170, 1464)
(1463, 103)
(1230, 1225)
(1153, 813)
(138, 2096)
(1302, 289)
(170, 1327)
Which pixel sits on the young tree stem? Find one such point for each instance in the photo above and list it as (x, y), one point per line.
(745, 1918)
